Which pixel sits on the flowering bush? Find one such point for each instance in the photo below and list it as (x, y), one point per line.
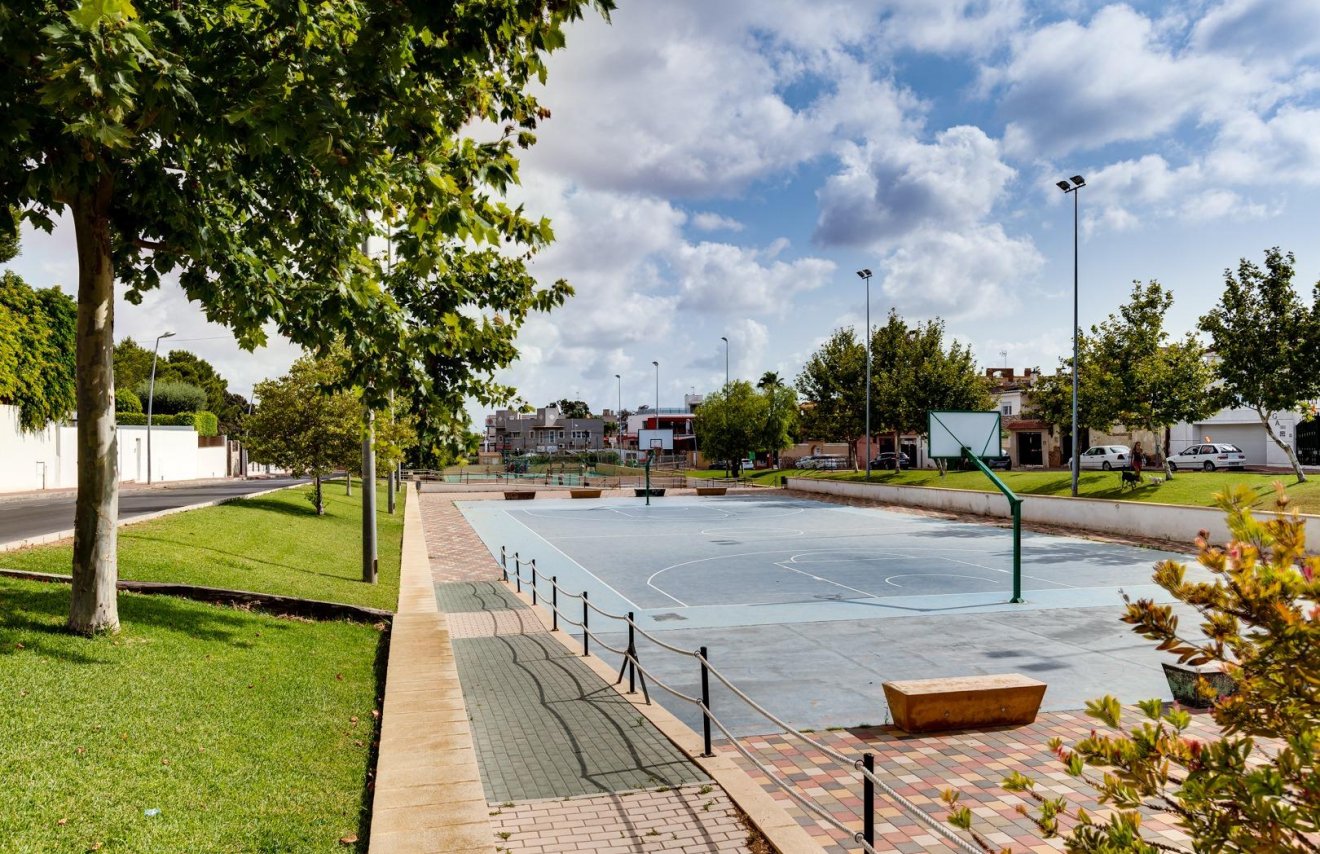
(1261, 624)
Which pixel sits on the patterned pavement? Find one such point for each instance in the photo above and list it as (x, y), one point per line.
(920, 767)
(566, 764)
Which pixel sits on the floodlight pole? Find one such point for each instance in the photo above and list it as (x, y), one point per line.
(866, 274)
(1072, 186)
(726, 362)
(151, 397)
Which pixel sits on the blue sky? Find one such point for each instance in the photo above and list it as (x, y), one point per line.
(722, 169)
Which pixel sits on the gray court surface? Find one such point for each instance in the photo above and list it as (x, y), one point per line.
(809, 607)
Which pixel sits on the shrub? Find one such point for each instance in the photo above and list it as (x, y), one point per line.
(133, 419)
(1261, 623)
(171, 398)
(127, 401)
(205, 423)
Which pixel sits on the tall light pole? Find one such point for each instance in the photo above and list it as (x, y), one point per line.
(657, 394)
(151, 397)
(1077, 182)
(726, 363)
(866, 274)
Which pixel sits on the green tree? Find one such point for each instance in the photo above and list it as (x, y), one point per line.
(731, 423)
(1260, 622)
(833, 387)
(1265, 341)
(251, 149)
(305, 425)
(127, 401)
(9, 225)
(36, 352)
(769, 379)
(573, 408)
(781, 419)
(170, 397)
(132, 364)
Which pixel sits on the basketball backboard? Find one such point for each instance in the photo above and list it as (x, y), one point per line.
(646, 440)
(949, 432)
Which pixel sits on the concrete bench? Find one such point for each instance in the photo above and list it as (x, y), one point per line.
(520, 495)
(584, 493)
(712, 490)
(963, 702)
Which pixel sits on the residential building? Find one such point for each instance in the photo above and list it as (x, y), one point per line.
(544, 431)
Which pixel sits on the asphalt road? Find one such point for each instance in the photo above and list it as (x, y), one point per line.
(21, 518)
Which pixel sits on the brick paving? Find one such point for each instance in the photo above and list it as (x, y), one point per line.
(692, 819)
(566, 763)
(919, 767)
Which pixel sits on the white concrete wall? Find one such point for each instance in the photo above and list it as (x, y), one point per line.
(174, 452)
(1124, 518)
(27, 460)
(212, 462)
(1285, 426)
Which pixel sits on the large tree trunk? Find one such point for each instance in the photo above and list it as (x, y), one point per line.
(93, 607)
(1292, 457)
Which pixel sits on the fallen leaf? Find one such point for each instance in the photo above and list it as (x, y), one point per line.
(375, 713)
(19, 645)
(351, 839)
(353, 719)
(81, 751)
(358, 742)
(164, 762)
(339, 677)
(62, 822)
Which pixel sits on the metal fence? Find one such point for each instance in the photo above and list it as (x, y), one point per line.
(636, 674)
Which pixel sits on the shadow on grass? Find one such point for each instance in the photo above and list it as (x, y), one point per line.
(272, 506)
(249, 558)
(380, 669)
(43, 610)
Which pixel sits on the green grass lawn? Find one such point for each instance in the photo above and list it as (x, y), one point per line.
(1190, 488)
(238, 727)
(271, 544)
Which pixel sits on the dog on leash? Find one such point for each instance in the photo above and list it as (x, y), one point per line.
(1130, 478)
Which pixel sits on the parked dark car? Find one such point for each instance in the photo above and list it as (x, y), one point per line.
(1003, 461)
(886, 460)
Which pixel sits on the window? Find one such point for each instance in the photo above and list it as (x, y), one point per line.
(1006, 409)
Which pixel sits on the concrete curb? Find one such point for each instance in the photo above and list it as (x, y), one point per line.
(782, 831)
(56, 536)
(429, 796)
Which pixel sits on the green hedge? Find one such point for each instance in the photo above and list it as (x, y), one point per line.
(205, 423)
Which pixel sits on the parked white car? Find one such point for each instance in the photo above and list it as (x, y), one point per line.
(1208, 456)
(1107, 457)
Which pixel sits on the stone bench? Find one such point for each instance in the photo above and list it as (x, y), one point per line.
(712, 490)
(964, 702)
(584, 493)
(520, 495)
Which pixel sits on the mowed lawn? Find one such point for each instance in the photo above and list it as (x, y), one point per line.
(271, 544)
(197, 727)
(1191, 488)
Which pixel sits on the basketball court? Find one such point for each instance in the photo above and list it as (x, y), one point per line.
(811, 606)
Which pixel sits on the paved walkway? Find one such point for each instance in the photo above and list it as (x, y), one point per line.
(566, 763)
(920, 767)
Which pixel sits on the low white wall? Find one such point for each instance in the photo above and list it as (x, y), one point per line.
(1124, 518)
(212, 462)
(27, 460)
(174, 453)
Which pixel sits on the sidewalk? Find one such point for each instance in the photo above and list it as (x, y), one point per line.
(496, 736)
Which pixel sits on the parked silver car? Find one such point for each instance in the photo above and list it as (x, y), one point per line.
(1208, 456)
(1107, 457)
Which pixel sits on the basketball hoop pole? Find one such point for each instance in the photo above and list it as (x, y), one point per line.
(1015, 506)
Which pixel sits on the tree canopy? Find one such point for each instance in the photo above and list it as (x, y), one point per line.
(1265, 342)
(573, 408)
(252, 150)
(833, 388)
(1131, 372)
(36, 351)
(738, 420)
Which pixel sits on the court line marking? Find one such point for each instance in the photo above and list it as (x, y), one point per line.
(868, 594)
(930, 574)
(651, 578)
(602, 581)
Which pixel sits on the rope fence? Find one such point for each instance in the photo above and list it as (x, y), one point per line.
(632, 669)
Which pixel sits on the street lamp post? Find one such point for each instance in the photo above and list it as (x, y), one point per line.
(151, 397)
(657, 394)
(726, 363)
(1077, 182)
(866, 274)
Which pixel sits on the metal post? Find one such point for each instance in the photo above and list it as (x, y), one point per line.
(389, 492)
(1076, 460)
(533, 581)
(554, 603)
(585, 614)
(151, 397)
(868, 799)
(368, 498)
(632, 655)
(705, 702)
(504, 564)
(1017, 552)
(517, 571)
(868, 379)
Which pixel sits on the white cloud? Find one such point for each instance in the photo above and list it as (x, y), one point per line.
(724, 277)
(1071, 86)
(1269, 31)
(947, 26)
(708, 221)
(959, 274)
(894, 187)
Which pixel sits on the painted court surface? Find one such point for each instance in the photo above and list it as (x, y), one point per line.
(808, 607)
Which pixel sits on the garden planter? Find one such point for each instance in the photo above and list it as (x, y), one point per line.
(1185, 683)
